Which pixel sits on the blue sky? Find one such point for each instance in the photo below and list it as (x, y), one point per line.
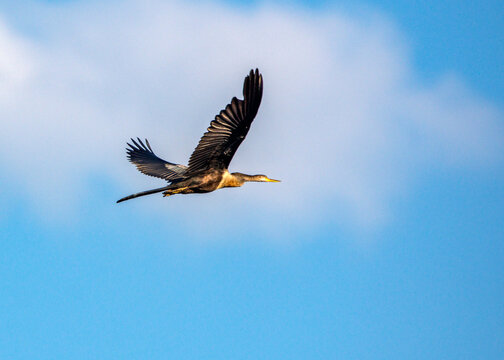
(383, 119)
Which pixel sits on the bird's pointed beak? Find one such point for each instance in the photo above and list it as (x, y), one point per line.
(272, 180)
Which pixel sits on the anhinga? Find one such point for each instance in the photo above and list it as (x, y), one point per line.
(208, 166)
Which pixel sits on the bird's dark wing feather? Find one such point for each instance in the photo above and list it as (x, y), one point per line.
(225, 134)
(147, 162)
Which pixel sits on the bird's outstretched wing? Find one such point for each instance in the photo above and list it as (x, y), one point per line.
(225, 134)
(147, 162)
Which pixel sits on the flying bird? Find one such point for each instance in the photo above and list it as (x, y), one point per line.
(208, 165)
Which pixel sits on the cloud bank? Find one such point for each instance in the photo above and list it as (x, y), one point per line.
(345, 122)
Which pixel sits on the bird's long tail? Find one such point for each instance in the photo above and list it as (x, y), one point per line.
(143, 193)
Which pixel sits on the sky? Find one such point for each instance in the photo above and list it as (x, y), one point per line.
(384, 121)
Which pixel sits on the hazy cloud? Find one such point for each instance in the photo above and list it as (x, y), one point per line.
(345, 119)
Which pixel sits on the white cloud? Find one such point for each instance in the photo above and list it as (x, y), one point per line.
(344, 119)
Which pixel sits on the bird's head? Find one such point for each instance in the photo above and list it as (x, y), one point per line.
(263, 178)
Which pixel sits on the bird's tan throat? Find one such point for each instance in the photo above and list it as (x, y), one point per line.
(229, 180)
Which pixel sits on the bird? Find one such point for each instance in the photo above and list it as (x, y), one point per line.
(207, 169)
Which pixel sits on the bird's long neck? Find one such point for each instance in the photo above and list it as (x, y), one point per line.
(238, 179)
(243, 178)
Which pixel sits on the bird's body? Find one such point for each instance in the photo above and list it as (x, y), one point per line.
(211, 180)
(207, 170)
